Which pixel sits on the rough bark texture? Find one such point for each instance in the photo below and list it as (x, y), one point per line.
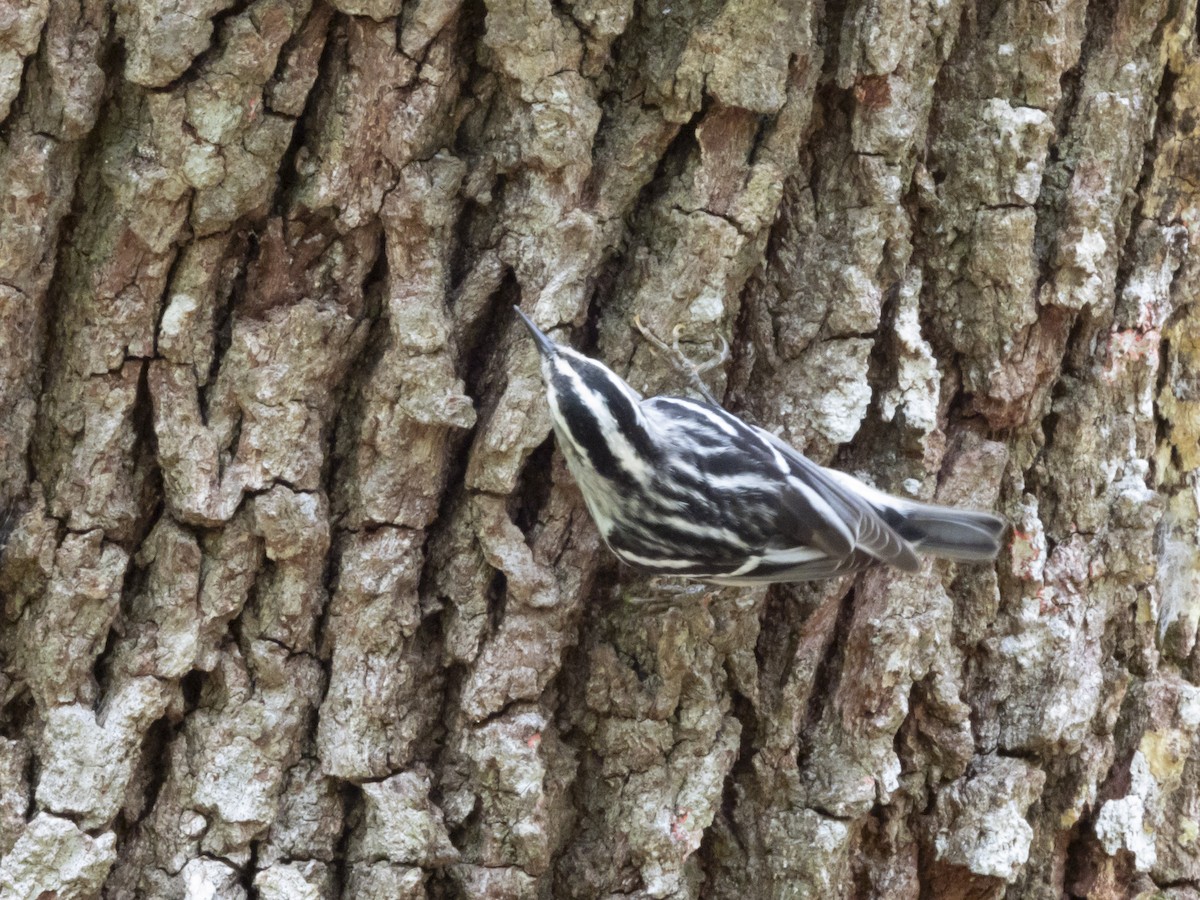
(298, 601)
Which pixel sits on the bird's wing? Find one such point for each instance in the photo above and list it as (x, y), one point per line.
(769, 569)
(810, 517)
(813, 509)
(828, 513)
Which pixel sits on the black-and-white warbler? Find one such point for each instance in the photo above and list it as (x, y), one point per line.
(679, 487)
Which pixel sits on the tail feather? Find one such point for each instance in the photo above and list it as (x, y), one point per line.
(949, 533)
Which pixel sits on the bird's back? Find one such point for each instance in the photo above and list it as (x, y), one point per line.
(790, 518)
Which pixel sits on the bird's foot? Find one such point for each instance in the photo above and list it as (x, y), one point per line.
(664, 591)
(680, 360)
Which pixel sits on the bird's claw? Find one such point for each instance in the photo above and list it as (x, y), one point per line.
(669, 591)
(680, 360)
(720, 359)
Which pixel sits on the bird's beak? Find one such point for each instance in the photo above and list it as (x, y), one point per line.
(546, 347)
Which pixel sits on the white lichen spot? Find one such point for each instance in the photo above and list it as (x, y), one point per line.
(707, 308)
(285, 882)
(1003, 844)
(918, 385)
(192, 823)
(842, 411)
(890, 777)
(204, 878)
(981, 817)
(203, 165)
(1029, 543)
(1090, 249)
(1028, 182)
(1132, 485)
(1189, 708)
(1133, 347)
(1178, 585)
(1189, 830)
(1121, 824)
(842, 365)
(177, 315)
(1149, 286)
(829, 835)
(1020, 149)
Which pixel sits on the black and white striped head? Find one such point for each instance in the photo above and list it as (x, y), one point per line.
(596, 414)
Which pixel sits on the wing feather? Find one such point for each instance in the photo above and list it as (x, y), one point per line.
(767, 571)
(851, 513)
(814, 509)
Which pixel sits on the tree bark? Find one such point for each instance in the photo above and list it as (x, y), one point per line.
(297, 598)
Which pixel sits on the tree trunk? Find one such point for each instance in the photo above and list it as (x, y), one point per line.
(297, 598)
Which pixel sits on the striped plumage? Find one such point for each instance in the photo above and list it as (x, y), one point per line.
(678, 487)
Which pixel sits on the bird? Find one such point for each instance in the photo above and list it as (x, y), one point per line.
(685, 488)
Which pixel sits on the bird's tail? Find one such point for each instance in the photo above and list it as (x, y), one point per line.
(947, 532)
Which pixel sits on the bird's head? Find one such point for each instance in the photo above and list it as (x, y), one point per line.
(546, 348)
(595, 412)
(569, 371)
